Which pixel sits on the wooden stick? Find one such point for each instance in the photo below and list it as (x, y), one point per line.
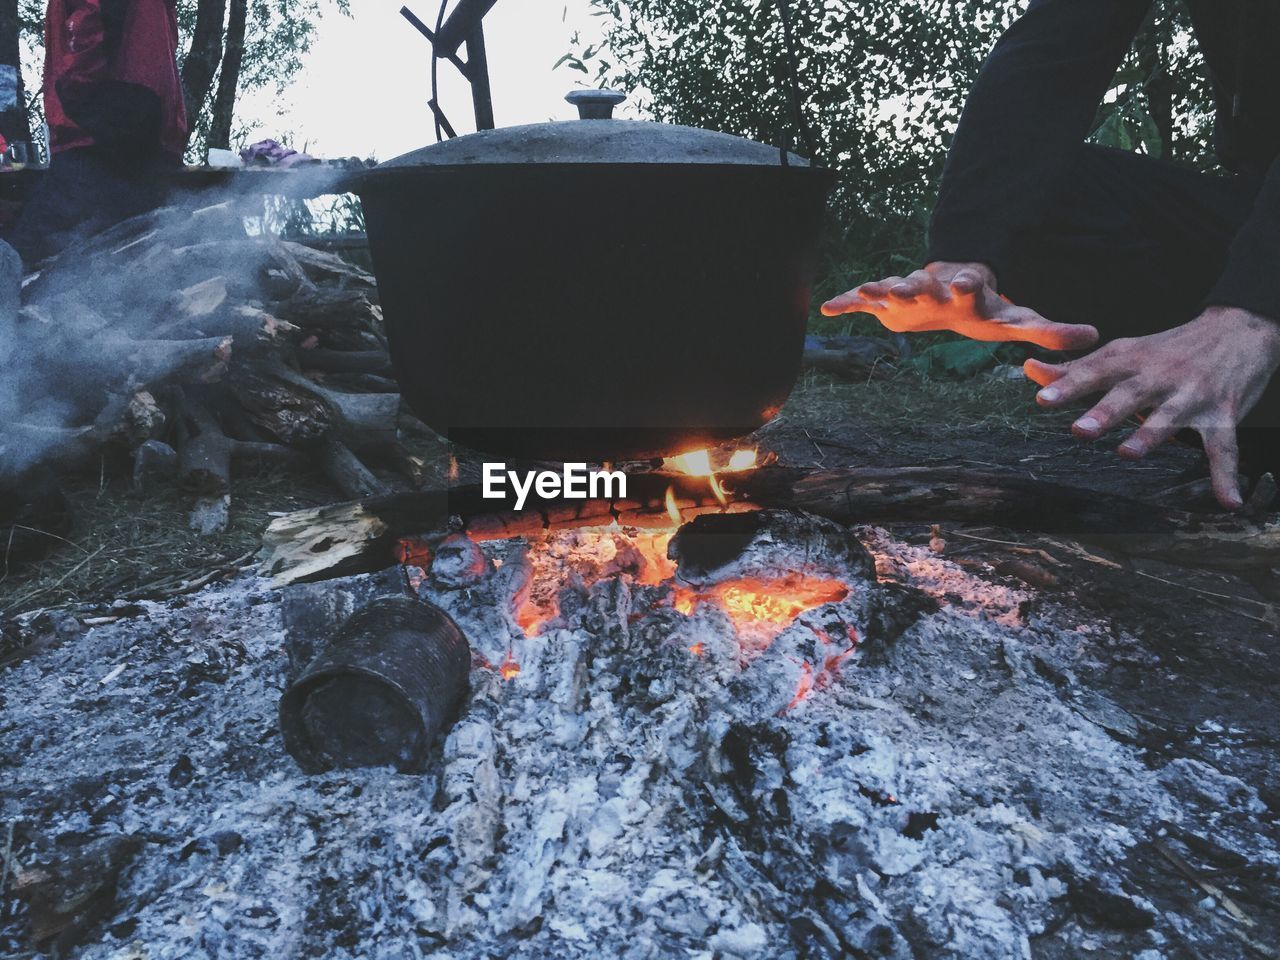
(347, 473)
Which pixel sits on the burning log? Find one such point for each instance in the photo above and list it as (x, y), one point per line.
(716, 547)
(359, 536)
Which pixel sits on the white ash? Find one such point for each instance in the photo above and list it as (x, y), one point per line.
(935, 794)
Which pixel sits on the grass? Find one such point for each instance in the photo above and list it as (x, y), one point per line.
(909, 403)
(124, 539)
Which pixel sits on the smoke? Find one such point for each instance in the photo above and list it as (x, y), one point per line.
(164, 298)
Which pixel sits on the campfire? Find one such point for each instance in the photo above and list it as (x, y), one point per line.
(759, 605)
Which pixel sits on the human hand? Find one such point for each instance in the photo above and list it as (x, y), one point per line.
(1206, 375)
(962, 298)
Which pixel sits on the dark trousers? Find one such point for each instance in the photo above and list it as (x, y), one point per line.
(84, 191)
(1133, 246)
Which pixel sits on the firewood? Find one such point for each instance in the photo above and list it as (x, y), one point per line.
(292, 278)
(290, 414)
(325, 308)
(50, 446)
(154, 461)
(250, 328)
(205, 455)
(356, 382)
(144, 419)
(298, 410)
(347, 473)
(198, 302)
(150, 362)
(321, 266)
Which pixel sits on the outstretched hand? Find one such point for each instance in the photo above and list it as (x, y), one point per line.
(962, 298)
(1206, 375)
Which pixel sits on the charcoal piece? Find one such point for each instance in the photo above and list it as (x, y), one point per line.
(715, 547)
(73, 893)
(384, 688)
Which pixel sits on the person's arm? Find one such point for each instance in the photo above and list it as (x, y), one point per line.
(1251, 279)
(1027, 114)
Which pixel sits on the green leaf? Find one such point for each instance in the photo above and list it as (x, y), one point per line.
(956, 358)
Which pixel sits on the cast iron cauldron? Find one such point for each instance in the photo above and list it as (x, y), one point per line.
(594, 289)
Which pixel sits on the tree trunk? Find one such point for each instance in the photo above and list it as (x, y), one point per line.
(13, 101)
(203, 57)
(224, 103)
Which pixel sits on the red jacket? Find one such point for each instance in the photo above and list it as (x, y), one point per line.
(111, 76)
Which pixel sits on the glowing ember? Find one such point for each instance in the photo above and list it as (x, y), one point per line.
(453, 468)
(532, 616)
(412, 550)
(698, 649)
(761, 609)
(509, 668)
(804, 687)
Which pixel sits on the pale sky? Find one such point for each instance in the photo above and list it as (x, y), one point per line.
(364, 87)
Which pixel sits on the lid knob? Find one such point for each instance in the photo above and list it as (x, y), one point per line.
(595, 104)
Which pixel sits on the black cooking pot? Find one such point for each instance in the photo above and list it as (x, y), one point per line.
(594, 289)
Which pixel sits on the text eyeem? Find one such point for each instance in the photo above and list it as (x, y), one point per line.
(574, 482)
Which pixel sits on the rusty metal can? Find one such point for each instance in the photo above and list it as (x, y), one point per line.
(387, 685)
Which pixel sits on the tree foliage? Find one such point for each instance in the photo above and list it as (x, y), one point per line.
(882, 84)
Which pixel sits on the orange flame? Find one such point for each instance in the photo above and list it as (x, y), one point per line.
(696, 463)
(718, 490)
(698, 649)
(673, 511)
(763, 608)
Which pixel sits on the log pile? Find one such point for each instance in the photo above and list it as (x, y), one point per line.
(179, 340)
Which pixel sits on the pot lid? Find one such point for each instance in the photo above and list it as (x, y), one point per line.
(600, 139)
